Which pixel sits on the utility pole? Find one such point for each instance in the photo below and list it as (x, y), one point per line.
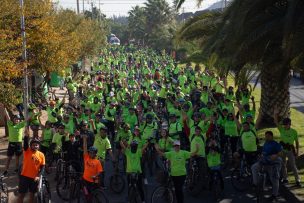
(24, 59)
(83, 6)
(183, 15)
(92, 9)
(77, 6)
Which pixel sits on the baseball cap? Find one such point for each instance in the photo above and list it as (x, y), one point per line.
(176, 142)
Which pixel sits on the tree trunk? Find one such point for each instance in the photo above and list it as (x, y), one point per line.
(275, 93)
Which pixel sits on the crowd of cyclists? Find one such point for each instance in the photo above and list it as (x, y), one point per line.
(134, 102)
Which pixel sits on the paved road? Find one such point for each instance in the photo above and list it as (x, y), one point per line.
(230, 195)
(296, 90)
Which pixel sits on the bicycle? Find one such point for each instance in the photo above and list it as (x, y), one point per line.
(241, 178)
(63, 185)
(117, 181)
(43, 193)
(150, 156)
(165, 193)
(4, 198)
(60, 167)
(194, 180)
(133, 193)
(216, 186)
(79, 192)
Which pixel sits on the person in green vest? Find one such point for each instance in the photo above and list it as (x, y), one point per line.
(15, 131)
(214, 163)
(175, 127)
(248, 145)
(289, 140)
(178, 172)
(134, 155)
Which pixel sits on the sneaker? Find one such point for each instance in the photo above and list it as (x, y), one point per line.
(272, 198)
(298, 184)
(5, 173)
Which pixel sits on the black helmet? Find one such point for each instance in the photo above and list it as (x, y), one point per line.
(93, 149)
(286, 121)
(35, 140)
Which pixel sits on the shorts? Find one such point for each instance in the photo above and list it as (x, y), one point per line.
(14, 148)
(27, 184)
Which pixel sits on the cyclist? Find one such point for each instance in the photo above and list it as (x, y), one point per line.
(214, 163)
(33, 163)
(177, 158)
(165, 142)
(47, 136)
(15, 130)
(198, 141)
(175, 128)
(288, 137)
(71, 147)
(272, 161)
(92, 166)
(248, 145)
(148, 128)
(103, 145)
(134, 154)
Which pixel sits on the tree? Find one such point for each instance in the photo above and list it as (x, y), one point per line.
(267, 34)
(137, 23)
(55, 40)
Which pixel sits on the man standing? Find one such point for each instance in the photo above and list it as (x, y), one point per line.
(15, 130)
(272, 162)
(33, 163)
(289, 137)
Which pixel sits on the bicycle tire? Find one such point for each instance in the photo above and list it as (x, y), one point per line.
(98, 196)
(58, 169)
(134, 196)
(194, 184)
(216, 189)
(117, 183)
(75, 195)
(240, 183)
(64, 185)
(4, 197)
(162, 194)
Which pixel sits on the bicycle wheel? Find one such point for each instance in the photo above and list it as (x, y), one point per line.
(98, 196)
(76, 195)
(241, 181)
(134, 196)
(162, 195)
(216, 189)
(117, 183)
(194, 184)
(63, 188)
(59, 172)
(4, 198)
(46, 195)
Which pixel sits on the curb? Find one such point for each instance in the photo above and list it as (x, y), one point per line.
(288, 195)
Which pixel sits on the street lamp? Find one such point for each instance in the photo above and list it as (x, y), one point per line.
(24, 58)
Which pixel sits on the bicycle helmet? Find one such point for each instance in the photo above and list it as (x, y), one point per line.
(149, 116)
(103, 127)
(93, 149)
(286, 121)
(133, 146)
(35, 140)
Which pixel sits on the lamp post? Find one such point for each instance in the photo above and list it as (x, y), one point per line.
(24, 59)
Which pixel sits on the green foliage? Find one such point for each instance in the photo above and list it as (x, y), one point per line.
(9, 94)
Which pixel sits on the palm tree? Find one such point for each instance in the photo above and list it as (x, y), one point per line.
(263, 33)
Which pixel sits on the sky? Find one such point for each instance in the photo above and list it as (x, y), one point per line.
(121, 7)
